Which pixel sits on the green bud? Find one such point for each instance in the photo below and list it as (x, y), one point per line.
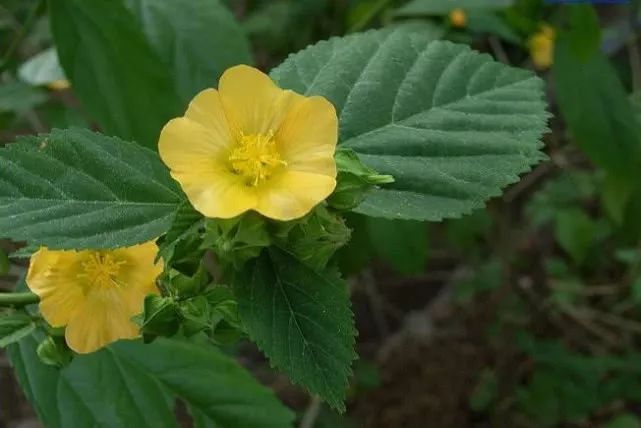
(196, 315)
(226, 325)
(183, 285)
(159, 317)
(236, 240)
(54, 352)
(354, 180)
(315, 238)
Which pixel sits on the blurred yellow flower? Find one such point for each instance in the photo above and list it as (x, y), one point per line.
(252, 146)
(94, 293)
(59, 85)
(458, 18)
(541, 47)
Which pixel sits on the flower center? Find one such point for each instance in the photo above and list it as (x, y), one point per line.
(256, 157)
(101, 269)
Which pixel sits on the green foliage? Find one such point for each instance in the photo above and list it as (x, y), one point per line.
(593, 100)
(77, 189)
(135, 63)
(238, 239)
(15, 326)
(577, 233)
(301, 319)
(401, 243)
(443, 7)
(451, 126)
(568, 386)
(131, 384)
(314, 239)
(354, 180)
(19, 97)
(625, 420)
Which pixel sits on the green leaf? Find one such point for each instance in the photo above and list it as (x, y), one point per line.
(135, 64)
(443, 7)
(42, 69)
(114, 71)
(197, 39)
(450, 125)
(75, 189)
(131, 384)
(577, 233)
(624, 420)
(18, 97)
(594, 102)
(301, 319)
(401, 243)
(14, 327)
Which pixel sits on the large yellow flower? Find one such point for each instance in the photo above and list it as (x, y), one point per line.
(94, 293)
(252, 146)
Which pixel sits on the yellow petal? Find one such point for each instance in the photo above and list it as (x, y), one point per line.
(188, 146)
(293, 194)
(139, 272)
(207, 110)
(52, 276)
(104, 317)
(218, 194)
(253, 103)
(307, 136)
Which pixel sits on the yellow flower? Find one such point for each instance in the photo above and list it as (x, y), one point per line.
(252, 146)
(541, 47)
(94, 293)
(458, 18)
(59, 85)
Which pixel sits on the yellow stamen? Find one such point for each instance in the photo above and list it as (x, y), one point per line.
(101, 269)
(256, 157)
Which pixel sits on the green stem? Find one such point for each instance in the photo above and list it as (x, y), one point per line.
(18, 299)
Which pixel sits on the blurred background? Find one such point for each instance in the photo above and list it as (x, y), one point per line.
(526, 314)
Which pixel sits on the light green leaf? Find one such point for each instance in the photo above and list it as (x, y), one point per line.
(301, 319)
(131, 384)
(443, 7)
(42, 69)
(197, 39)
(77, 189)
(136, 63)
(450, 125)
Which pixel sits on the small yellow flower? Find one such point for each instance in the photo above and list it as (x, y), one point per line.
(59, 85)
(252, 146)
(458, 18)
(94, 293)
(541, 47)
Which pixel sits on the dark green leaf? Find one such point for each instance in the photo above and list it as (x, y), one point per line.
(131, 384)
(450, 125)
(114, 71)
(196, 39)
(136, 63)
(401, 243)
(595, 105)
(301, 319)
(76, 189)
(443, 7)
